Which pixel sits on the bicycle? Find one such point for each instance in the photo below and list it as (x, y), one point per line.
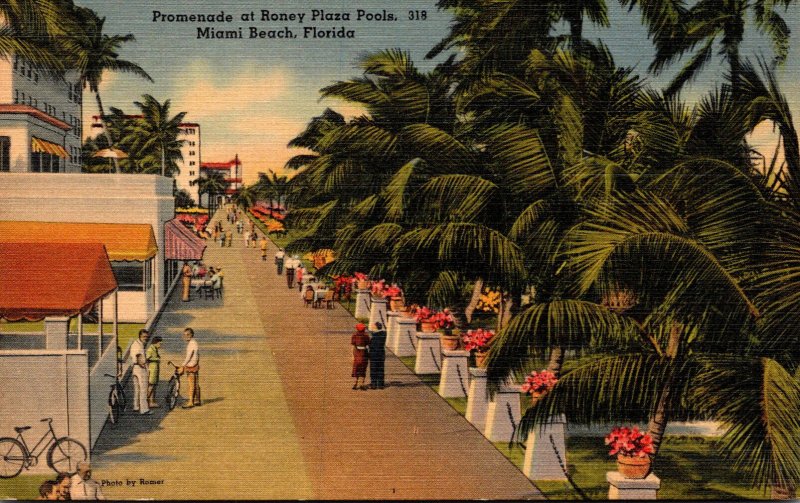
(63, 456)
(116, 399)
(174, 388)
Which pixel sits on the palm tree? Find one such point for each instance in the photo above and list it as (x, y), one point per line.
(157, 133)
(246, 196)
(709, 21)
(213, 184)
(92, 52)
(31, 30)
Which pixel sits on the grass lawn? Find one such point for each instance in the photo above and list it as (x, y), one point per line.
(127, 331)
(23, 487)
(689, 467)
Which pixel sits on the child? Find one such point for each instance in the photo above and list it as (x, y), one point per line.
(153, 368)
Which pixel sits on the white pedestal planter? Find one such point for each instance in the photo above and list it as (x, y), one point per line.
(621, 488)
(546, 451)
(503, 416)
(377, 313)
(391, 327)
(405, 342)
(477, 399)
(429, 354)
(455, 377)
(362, 304)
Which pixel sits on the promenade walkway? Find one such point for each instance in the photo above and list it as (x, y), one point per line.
(280, 419)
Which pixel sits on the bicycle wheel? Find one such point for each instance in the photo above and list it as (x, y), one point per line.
(65, 454)
(12, 457)
(114, 407)
(172, 394)
(121, 397)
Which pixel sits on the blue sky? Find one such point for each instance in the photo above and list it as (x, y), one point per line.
(252, 96)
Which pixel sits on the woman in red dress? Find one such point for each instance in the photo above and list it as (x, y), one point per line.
(360, 343)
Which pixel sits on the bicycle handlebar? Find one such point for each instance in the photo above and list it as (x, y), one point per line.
(46, 420)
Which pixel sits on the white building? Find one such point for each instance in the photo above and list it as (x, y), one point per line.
(187, 177)
(40, 120)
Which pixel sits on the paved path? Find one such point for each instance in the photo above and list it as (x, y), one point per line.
(279, 418)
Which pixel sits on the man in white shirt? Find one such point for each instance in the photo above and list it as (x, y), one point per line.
(139, 371)
(279, 261)
(191, 366)
(83, 487)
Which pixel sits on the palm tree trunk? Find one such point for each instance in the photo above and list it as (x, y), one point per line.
(105, 128)
(163, 162)
(660, 417)
(504, 314)
(556, 360)
(477, 290)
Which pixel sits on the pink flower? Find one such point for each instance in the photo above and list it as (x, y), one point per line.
(477, 339)
(629, 442)
(539, 382)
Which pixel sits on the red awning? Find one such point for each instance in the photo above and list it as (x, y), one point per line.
(52, 279)
(180, 243)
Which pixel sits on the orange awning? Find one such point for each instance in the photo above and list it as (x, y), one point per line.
(52, 279)
(39, 145)
(122, 241)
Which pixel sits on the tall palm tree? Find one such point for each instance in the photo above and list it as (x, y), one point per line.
(31, 28)
(91, 52)
(213, 184)
(723, 21)
(157, 133)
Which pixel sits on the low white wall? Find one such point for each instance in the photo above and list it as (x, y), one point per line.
(134, 307)
(39, 383)
(99, 388)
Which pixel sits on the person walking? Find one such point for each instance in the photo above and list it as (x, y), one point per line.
(360, 342)
(153, 370)
(186, 274)
(377, 356)
(279, 256)
(229, 237)
(215, 234)
(246, 239)
(290, 263)
(254, 238)
(191, 367)
(263, 246)
(299, 272)
(239, 226)
(139, 371)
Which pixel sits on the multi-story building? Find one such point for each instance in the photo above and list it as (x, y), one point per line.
(40, 119)
(189, 168)
(232, 172)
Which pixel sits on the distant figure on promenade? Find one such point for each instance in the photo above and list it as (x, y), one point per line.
(239, 226)
(263, 245)
(191, 367)
(290, 264)
(139, 371)
(246, 238)
(228, 237)
(48, 491)
(254, 238)
(153, 369)
(279, 256)
(360, 343)
(186, 274)
(377, 356)
(83, 486)
(215, 234)
(298, 275)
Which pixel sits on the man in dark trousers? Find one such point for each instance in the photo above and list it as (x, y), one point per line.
(377, 356)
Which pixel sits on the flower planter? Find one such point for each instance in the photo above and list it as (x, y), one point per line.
(406, 313)
(428, 327)
(396, 304)
(450, 342)
(632, 467)
(480, 358)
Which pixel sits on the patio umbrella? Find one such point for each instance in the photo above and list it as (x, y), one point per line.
(111, 153)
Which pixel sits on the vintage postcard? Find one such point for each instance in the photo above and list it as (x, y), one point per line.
(411, 249)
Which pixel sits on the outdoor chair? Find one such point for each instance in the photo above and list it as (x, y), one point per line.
(329, 299)
(308, 298)
(207, 291)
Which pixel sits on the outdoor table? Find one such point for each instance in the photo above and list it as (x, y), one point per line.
(319, 294)
(199, 283)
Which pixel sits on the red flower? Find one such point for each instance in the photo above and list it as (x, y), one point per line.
(477, 339)
(629, 442)
(539, 382)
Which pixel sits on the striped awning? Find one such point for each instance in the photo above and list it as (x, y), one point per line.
(46, 147)
(180, 243)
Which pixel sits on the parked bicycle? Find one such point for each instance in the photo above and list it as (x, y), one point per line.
(174, 388)
(63, 455)
(116, 399)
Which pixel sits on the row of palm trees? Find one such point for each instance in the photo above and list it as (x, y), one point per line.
(663, 259)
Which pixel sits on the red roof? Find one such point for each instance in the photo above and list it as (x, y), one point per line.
(222, 165)
(52, 279)
(34, 112)
(180, 243)
(233, 180)
(231, 191)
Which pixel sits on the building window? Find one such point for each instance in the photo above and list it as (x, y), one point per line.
(191, 163)
(191, 152)
(16, 96)
(130, 276)
(5, 153)
(42, 162)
